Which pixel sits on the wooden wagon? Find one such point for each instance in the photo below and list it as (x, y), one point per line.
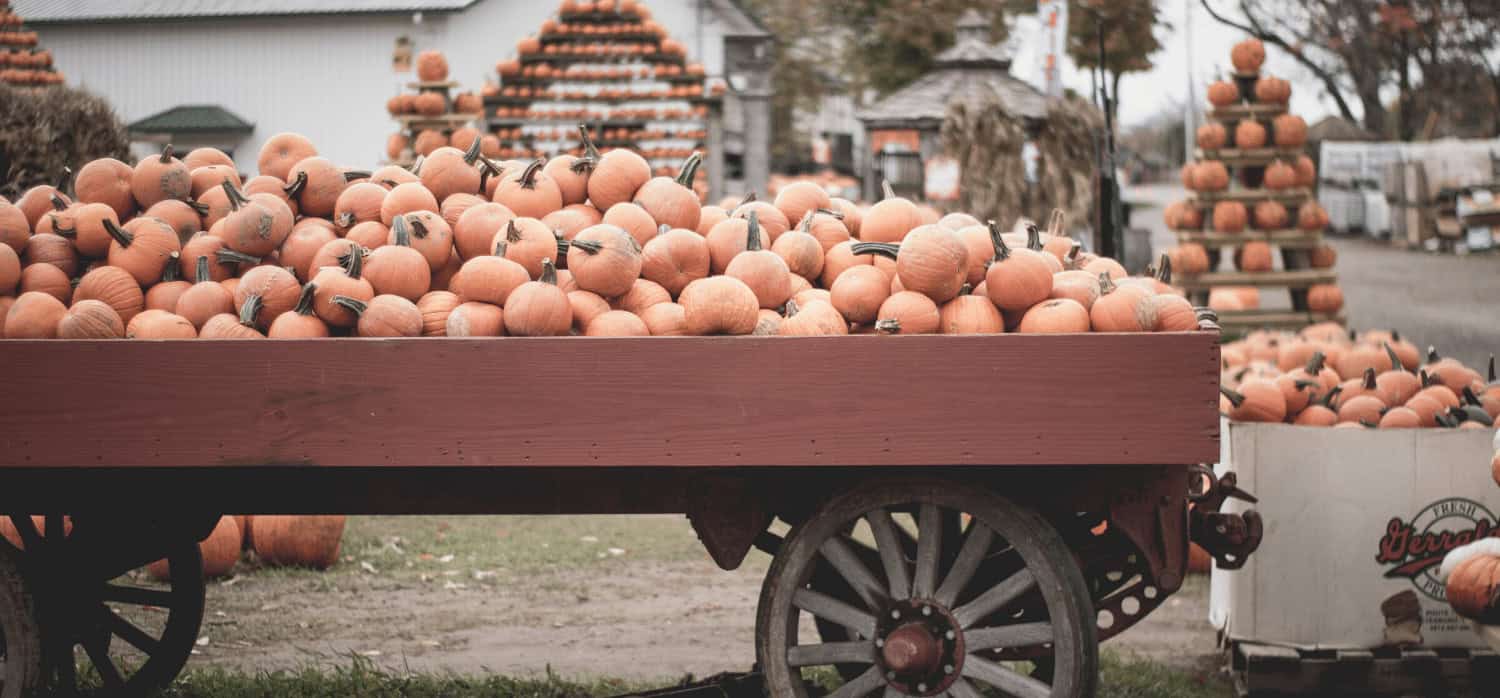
(963, 510)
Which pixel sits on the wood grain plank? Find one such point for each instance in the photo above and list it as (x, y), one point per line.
(702, 401)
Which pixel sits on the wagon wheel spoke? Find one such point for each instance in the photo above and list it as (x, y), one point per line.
(1004, 636)
(98, 651)
(963, 689)
(996, 598)
(888, 544)
(31, 539)
(929, 549)
(976, 545)
(843, 558)
(861, 685)
(137, 596)
(827, 607)
(1006, 681)
(128, 632)
(862, 652)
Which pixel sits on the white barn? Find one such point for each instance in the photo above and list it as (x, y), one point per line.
(324, 68)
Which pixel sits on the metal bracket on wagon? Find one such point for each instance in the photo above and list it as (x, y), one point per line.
(1229, 538)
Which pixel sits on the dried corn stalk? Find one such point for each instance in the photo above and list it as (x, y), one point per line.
(44, 130)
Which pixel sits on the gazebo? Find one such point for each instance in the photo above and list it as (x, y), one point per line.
(903, 129)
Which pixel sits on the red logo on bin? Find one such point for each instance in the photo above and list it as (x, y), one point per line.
(1416, 548)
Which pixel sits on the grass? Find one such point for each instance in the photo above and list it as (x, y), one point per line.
(1120, 677)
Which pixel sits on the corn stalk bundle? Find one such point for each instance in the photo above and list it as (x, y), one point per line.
(43, 130)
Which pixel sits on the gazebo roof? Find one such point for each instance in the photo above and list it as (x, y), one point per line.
(970, 69)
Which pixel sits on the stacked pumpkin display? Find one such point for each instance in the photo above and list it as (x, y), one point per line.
(23, 62)
(1324, 377)
(431, 118)
(608, 62)
(1251, 138)
(181, 248)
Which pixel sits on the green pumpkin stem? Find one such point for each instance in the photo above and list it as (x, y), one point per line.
(1493, 379)
(198, 207)
(57, 227)
(562, 244)
(689, 169)
(887, 192)
(790, 309)
(830, 212)
(748, 198)
(294, 189)
(1106, 284)
(471, 155)
(891, 326)
(512, 233)
(226, 256)
(236, 199)
(354, 262)
(401, 231)
(250, 309)
(1432, 355)
(549, 272)
(1369, 383)
(589, 151)
(500, 247)
(884, 249)
(353, 175)
(122, 236)
(1315, 363)
(305, 299)
(1395, 360)
(57, 202)
(200, 271)
(353, 305)
(1164, 272)
(588, 246)
(752, 233)
(1235, 397)
(166, 154)
(1033, 237)
(528, 175)
(997, 240)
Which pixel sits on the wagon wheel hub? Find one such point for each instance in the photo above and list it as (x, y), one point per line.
(921, 647)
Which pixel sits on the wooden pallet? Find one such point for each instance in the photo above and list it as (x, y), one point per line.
(1291, 197)
(1266, 670)
(1237, 322)
(1240, 112)
(414, 120)
(1297, 278)
(1291, 239)
(1248, 156)
(433, 85)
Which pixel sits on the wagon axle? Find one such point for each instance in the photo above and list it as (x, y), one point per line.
(921, 647)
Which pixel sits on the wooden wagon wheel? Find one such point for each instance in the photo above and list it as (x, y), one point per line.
(924, 626)
(135, 635)
(20, 643)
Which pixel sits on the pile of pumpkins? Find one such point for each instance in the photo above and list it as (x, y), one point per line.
(1471, 577)
(309, 541)
(462, 245)
(1325, 377)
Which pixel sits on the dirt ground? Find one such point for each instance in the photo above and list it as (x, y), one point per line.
(627, 597)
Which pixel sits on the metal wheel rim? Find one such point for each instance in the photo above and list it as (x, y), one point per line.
(79, 611)
(1048, 570)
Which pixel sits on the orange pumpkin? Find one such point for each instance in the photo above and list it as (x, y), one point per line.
(970, 314)
(908, 312)
(1256, 400)
(719, 305)
(298, 541)
(1122, 308)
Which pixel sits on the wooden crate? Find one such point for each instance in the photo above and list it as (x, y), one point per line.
(1286, 239)
(607, 402)
(1274, 670)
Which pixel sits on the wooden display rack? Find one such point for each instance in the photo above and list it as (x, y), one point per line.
(1293, 244)
(411, 124)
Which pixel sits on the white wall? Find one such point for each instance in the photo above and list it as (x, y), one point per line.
(327, 77)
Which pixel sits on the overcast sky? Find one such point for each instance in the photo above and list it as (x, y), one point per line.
(1143, 95)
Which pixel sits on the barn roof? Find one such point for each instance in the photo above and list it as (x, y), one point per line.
(78, 11)
(192, 118)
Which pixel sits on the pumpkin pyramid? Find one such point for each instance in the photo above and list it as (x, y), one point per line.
(610, 66)
(1252, 193)
(23, 63)
(430, 116)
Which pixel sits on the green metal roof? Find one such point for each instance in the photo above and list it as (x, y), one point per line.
(192, 118)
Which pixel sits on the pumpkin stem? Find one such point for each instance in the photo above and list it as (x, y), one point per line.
(1305, 384)
(997, 240)
(64, 179)
(1366, 423)
(250, 309)
(1073, 252)
(588, 246)
(528, 176)
(353, 305)
(1315, 363)
(966, 289)
(500, 247)
(1426, 379)
(1055, 223)
(1492, 368)
(305, 300)
(884, 249)
(401, 231)
(589, 151)
(198, 207)
(790, 309)
(226, 256)
(236, 199)
(418, 228)
(689, 169)
(1164, 273)
(891, 326)
(57, 202)
(1470, 398)
(166, 154)
(1033, 237)
(1369, 382)
(294, 189)
(484, 176)
(1235, 398)
(748, 198)
(173, 270)
(57, 227)
(471, 155)
(416, 165)
(583, 165)
(549, 272)
(124, 237)
(352, 175)
(752, 233)
(886, 190)
(562, 244)
(838, 215)
(353, 263)
(1432, 355)
(1444, 420)
(1106, 284)
(200, 273)
(346, 219)
(512, 233)
(1395, 360)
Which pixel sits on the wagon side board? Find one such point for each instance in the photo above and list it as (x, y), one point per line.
(617, 402)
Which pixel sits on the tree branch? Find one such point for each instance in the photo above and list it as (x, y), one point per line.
(1330, 82)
